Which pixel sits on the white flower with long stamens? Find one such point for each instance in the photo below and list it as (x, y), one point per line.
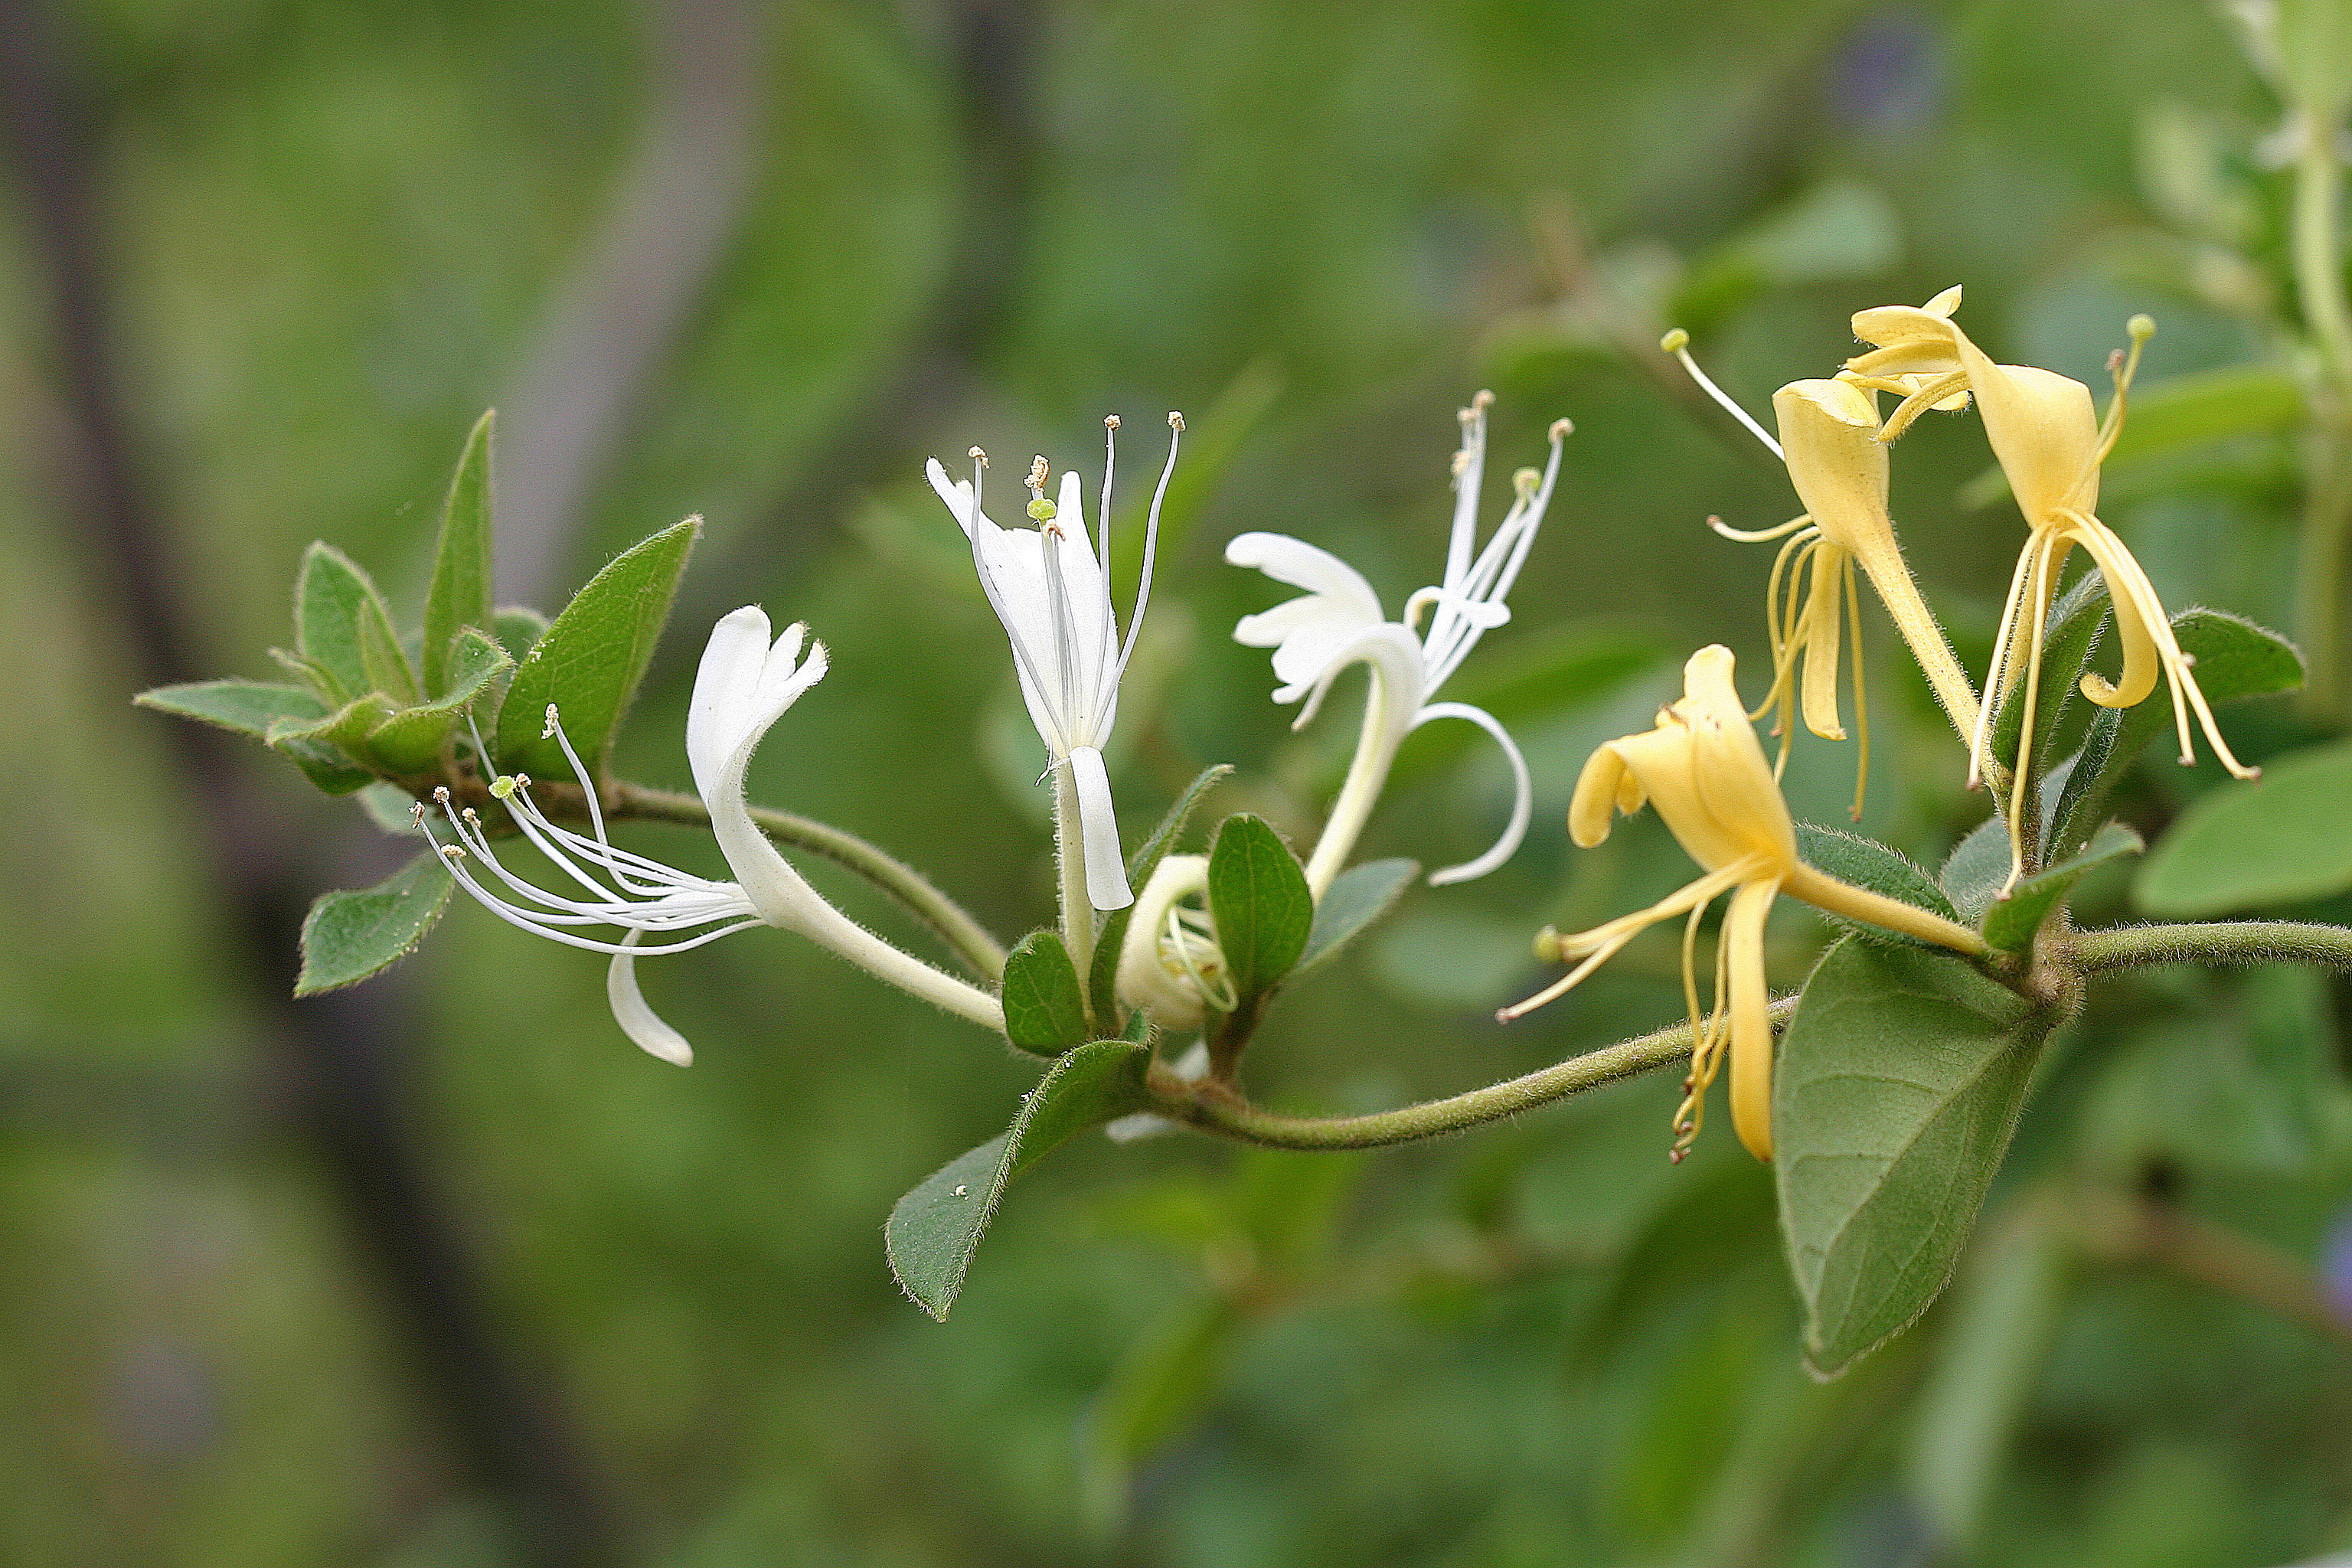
(1339, 623)
(745, 684)
(1051, 589)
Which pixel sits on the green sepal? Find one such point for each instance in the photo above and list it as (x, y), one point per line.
(2235, 658)
(518, 628)
(2009, 923)
(590, 659)
(934, 1229)
(1262, 906)
(459, 594)
(1874, 867)
(1898, 1085)
(1357, 897)
(348, 936)
(1102, 972)
(2282, 839)
(410, 742)
(327, 769)
(1044, 1009)
(347, 728)
(245, 707)
(345, 632)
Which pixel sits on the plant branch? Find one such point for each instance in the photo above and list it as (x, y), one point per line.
(2123, 1229)
(2231, 942)
(947, 918)
(1216, 1108)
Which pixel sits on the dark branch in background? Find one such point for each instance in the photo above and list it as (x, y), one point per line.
(991, 57)
(344, 1055)
(616, 317)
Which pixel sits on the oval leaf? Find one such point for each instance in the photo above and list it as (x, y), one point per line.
(590, 658)
(1872, 866)
(348, 936)
(459, 595)
(2282, 838)
(934, 1230)
(1044, 1012)
(342, 629)
(1260, 901)
(1972, 874)
(247, 707)
(1898, 1086)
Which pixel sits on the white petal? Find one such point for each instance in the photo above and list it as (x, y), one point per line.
(1106, 885)
(1522, 805)
(957, 494)
(1303, 565)
(731, 664)
(637, 1020)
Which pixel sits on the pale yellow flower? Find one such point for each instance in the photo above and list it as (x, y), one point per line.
(2050, 443)
(1704, 771)
(1828, 438)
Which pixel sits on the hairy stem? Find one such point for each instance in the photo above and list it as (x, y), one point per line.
(2231, 942)
(1070, 857)
(968, 938)
(1216, 1108)
(2327, 513)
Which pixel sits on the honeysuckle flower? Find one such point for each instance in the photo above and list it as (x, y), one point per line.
(1339, 622)
(1170, 966)
(743, 687)
(1704, 771)
(1828, 438)
(1052, 592)
(2049, 444)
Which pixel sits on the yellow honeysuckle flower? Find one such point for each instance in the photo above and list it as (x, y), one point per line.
(1829, 440)
(1704, 771)
(2050, 443)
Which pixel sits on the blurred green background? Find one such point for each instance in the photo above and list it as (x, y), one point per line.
(483, 1285)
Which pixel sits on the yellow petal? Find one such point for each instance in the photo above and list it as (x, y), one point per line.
(1600, 793)
(1829, 433)
(1751, 1021)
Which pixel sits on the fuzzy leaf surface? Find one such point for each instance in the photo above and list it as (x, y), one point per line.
(348, 936)
(459, 595)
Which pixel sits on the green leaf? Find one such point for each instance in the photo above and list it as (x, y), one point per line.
(1997, 1333)
(1044, 1011)
(934, 1230)
(1357, 897)
(392, 809)
(2235, 658)
(1102, 977)
(1873, 867)
(2069, 634)
(590, 659)
(2169, 416)
(459, 595)
(347, 727)
(1259, 899)
(1974, 871)
(341, 627)
(2010, 923)
(2279, 839)
(348, 936)
(410, 740)
(518, 627)
(327, 769)
(247, 707)
(1898, 1086)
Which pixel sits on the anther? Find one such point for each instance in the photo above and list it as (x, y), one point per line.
(472, 816)
(977, 456)
(1482, 402)
(1039, 473)
(1562, 427)
(1175, 420)
(416, 813)
(1461, 463)
(2115, 361)
(441, 794)
(547, 733)
(1110, 421)
(451, 852)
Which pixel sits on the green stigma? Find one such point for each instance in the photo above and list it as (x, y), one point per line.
(1042, 511)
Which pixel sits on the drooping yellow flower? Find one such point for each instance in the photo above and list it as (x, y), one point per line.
(1704, 771)
(2049, 444)
(1828, 438)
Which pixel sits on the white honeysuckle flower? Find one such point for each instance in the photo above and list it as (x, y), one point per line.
(1340, 622)
(743, 687)
(1050, 586)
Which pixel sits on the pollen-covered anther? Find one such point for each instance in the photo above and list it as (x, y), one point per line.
(547, 731)
(1562, 430)
(440, 794)
(1039, 472)
(1110, 421)
(977, 456)
(1175, 420)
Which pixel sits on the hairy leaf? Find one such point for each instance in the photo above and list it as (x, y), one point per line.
(348, 936)
(592, 656)
(247, 707)
(1044, 1012)
(1357, 897)
(342, 629)
(934, 1229)
(459, 595)
(1259, 899)
(2009, 923)
(410, 740)
(1898, 1086)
